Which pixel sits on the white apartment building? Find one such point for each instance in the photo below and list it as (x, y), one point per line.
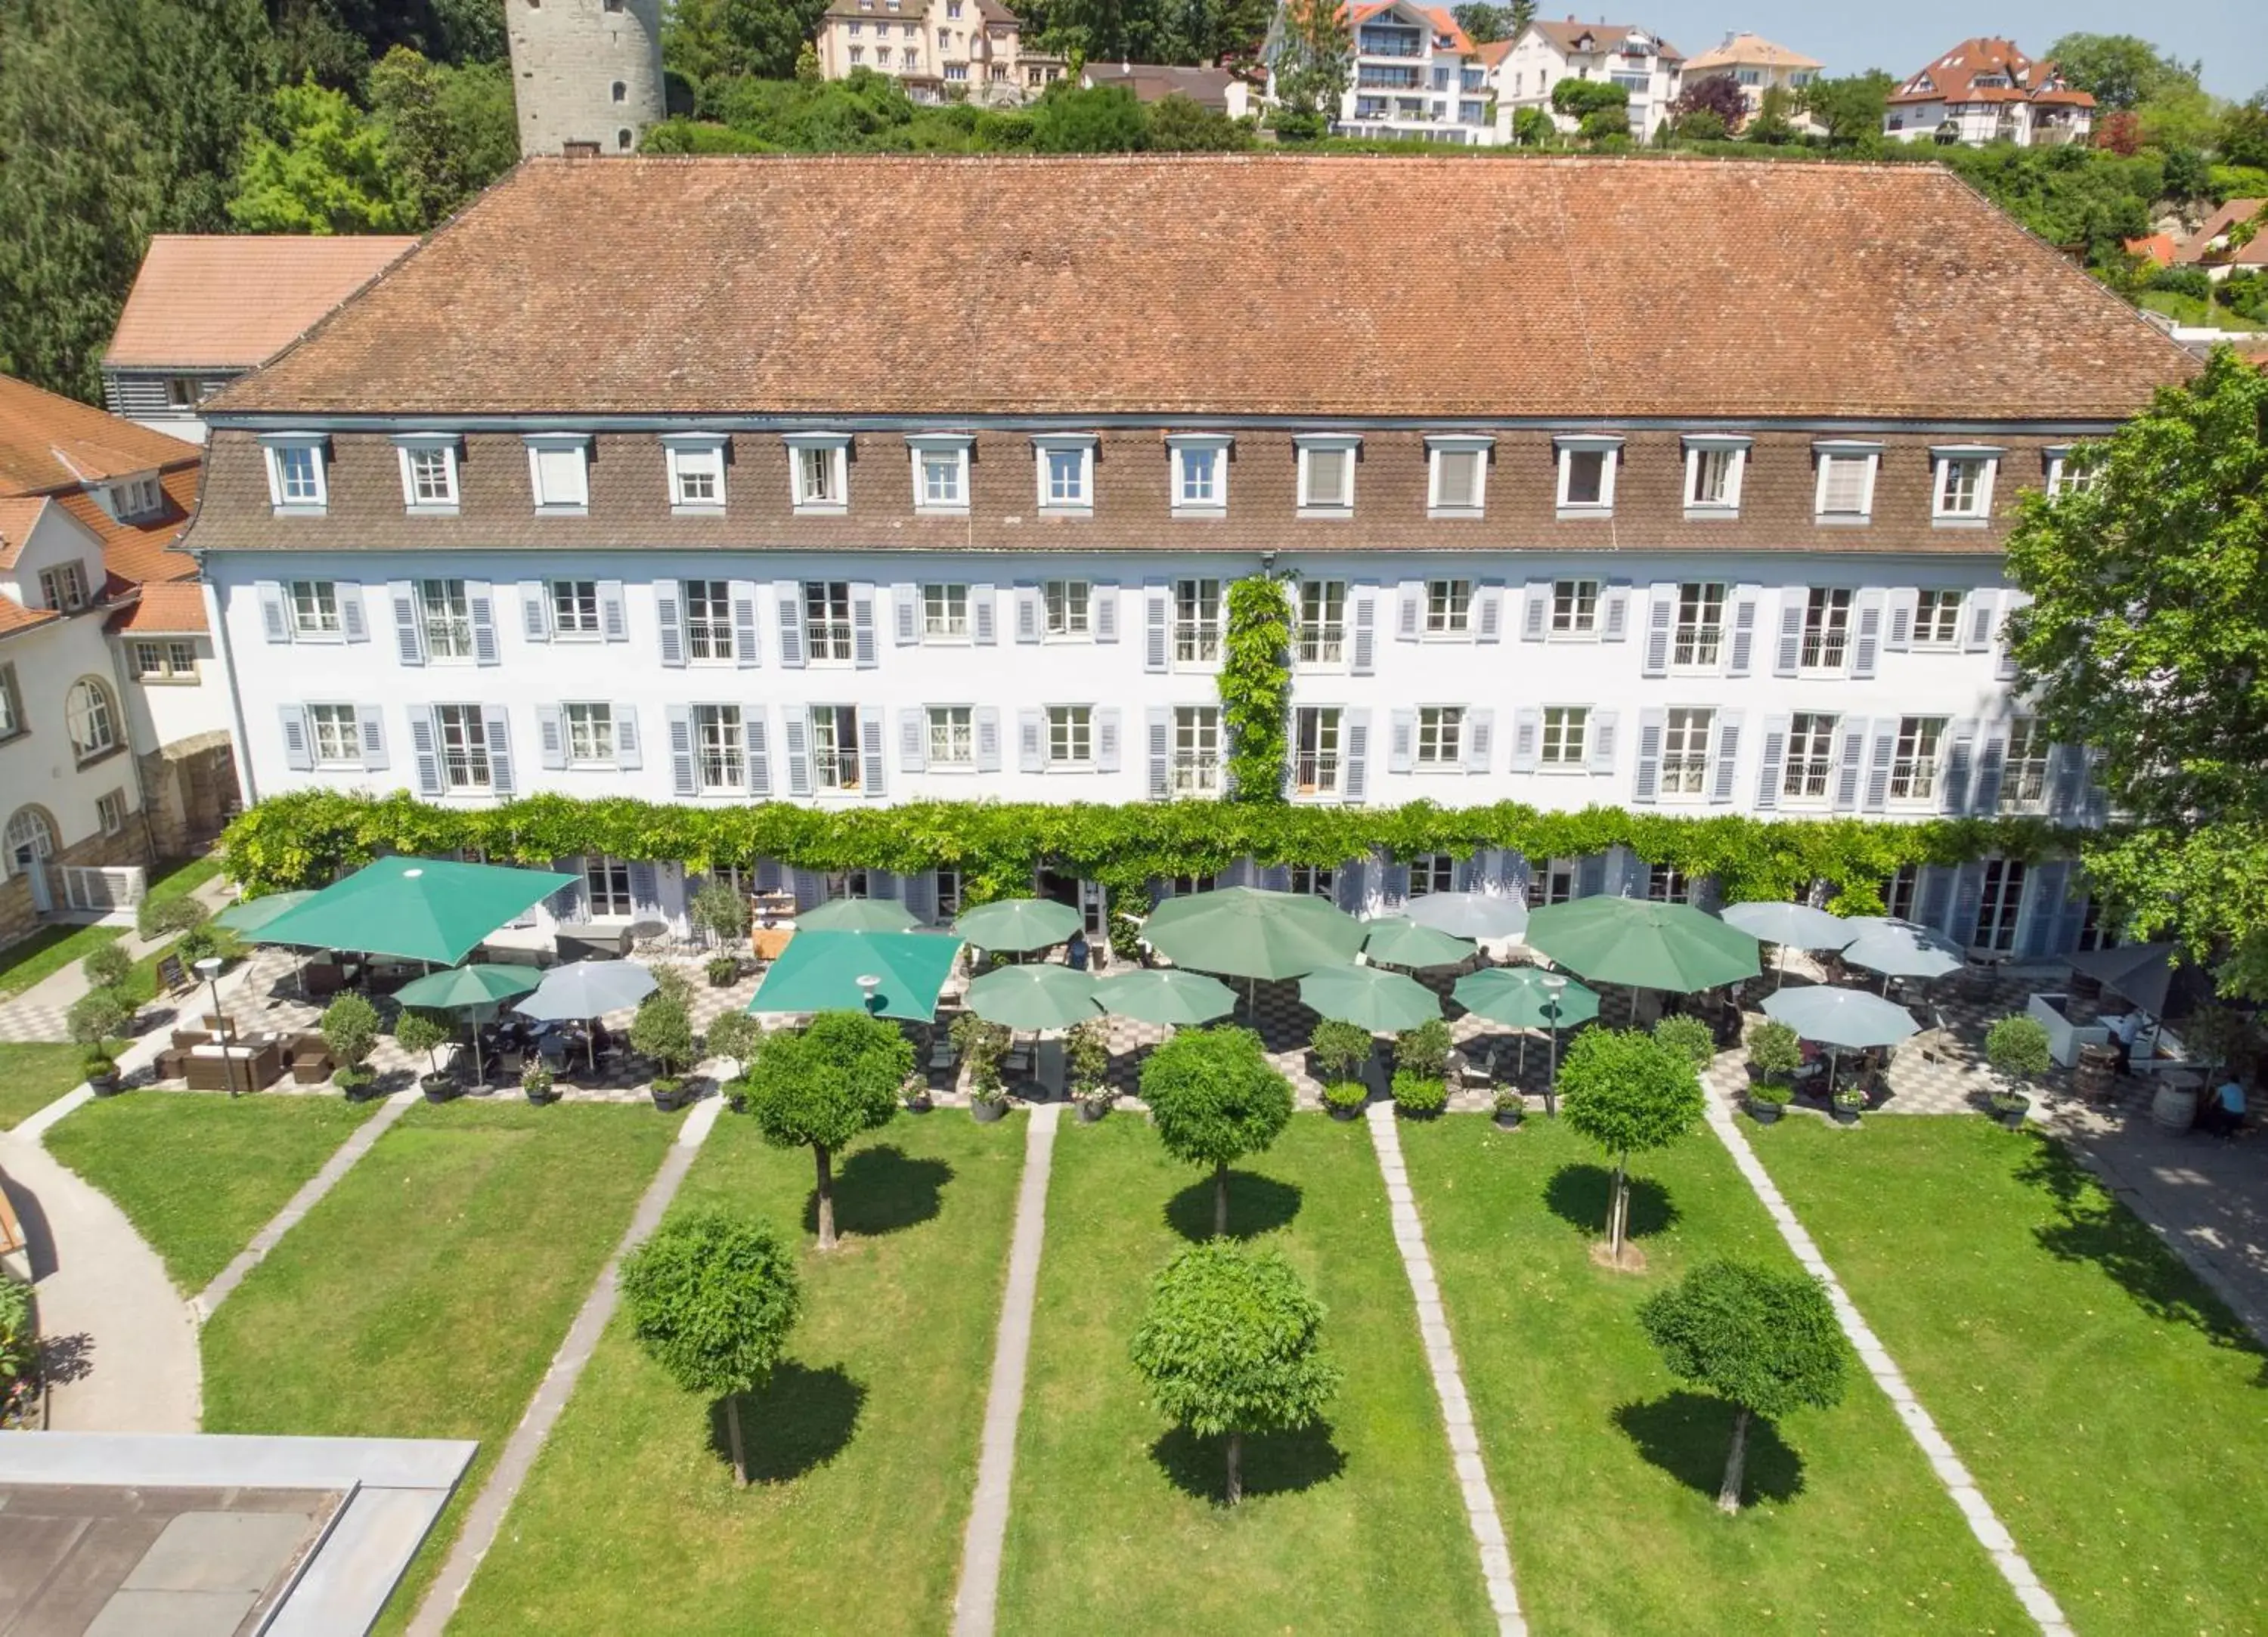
(1986, 91)
(938, 49)
(1544, 53)
(1414, 74)
(869, 584)
(1757, 65)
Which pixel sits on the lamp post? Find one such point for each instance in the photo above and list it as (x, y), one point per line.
(209, 969)
(1554, 985)
(869, 986)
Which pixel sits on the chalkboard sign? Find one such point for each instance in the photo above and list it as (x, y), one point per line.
(172, 975)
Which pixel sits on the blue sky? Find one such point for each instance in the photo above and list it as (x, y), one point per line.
(2230, 35)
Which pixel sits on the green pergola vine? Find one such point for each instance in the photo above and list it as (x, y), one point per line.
(1256, 688)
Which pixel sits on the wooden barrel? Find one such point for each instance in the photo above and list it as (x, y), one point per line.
(2173, 1108)
(2097, 1071)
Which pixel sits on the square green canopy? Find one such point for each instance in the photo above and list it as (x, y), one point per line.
(819, 972)
(429, 910)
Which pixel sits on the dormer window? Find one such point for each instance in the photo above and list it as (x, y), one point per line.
(940, 467)
(1714, 466)
(695, 463)
(1456, 475)
(819, 472)
(1846, 492)
(1327, 462)
(429, 473)
(64, 587)
(1586, 474)
(1200, 472)
(1066, 473)
(295, 473)
(133, 497)
(1961, 492)
(558, 472)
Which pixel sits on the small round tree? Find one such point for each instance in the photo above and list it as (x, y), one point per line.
(1215, 1098)
(713, 1297)
(1230, 1345)
(1628, 1093)
(1340, 1049)
(663, 1031)
(1690, 1038)
(2017, 1048)
(736, 1035)
(419, 1031)
(349, 1031)
(106, 967)
(720, 910)
(1764, 1342)
(94, 1020)
(819, 1086)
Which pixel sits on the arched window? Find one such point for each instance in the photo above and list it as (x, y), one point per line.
(91, 718)
(31, 836)
(622, 92)
(623, 140)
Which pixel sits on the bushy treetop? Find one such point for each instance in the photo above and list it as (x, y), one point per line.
(1765, 1341)
(1214, 1096)
(826, 1083)
(1627, 1092)
(712, 1296)
(1229, 1344)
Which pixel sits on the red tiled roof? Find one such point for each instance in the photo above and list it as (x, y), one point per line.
(2159, 247)
(166, 609)
(1604, 36)
(141, 551)
(751, 270)
(19, 515)
(231, 300)
(15, 617)
(2197, 245)
(48, 442)
(1952, 78)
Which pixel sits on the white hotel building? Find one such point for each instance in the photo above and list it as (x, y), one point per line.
(612, 488)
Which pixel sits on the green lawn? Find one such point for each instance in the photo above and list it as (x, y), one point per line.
(199, 1174)
(424, 1296)
(33, 1076)
(2113, 1411)
(864, 1449)
(51, 949)
(1356, 1527)
(1606, 1469)
(2189, 311)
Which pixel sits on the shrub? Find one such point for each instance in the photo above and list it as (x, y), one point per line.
(2017, 1047)
(1419, 1094)
(981, 1046)
(1772, 1093)
(106, 967)
(19, 1343)
(97, 1017)
(2183, 282)
(719, 910)
(155, 917)
(1512, 1103)
(663, 1031)
(722, 970)
(196, 944)
(736, 1035)
(349, 1029)
(1346, 1094)
(1423, 1050)
(1340, 1049)
(418, 1031)
(1086, 1057)
(537, 1079)
(1690, 1038)
(1775, 1052)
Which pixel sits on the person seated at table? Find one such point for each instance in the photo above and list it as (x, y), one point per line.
(601, 1037)
(2224, 1112)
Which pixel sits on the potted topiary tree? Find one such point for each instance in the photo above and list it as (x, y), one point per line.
(1689, 1037)
(1627, 1092)
(2016, 1046)
(1774, 1055)
(1215, 1097)
(349, 1029)
(417, 1030)
(981, 1046)
(736, 1035)
(1086, 1057)
(95, 1020)
(1344, 1099)
(663, 1031)
(106, 968)
(719, 910)
(1511, 1109)
(1339, 1051)
(723, 971)
(1421, 1067)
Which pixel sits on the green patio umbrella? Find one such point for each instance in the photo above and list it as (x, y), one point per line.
(1371, 997)
(1248, 932)
(822, 971)
(1398, 941)
(1034, 997)
(468, 990)
(248, 918)
(1520, 996)
(1165, 994)
(1018, 925)
(428, 910)
(1643, 945)
(858, 914)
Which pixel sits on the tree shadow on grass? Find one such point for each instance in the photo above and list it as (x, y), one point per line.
(1275, 1463)
(1688, 1435)
(882, 1190)
(800, 1421)
(1257, 1205)
(1578, 1195)
(2092, 1225)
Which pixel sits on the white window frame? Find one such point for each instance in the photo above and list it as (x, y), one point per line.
(952, 730)
(1925, 635)
(1179, 446)
(1573, 757)
(447, 630)
(922, 444)
(1576, 633)
(1440, 443)
(162, 660)
(1610, 450)
(572, 629)
(1321, 754)
(1078, 724)
(1196, 632)
(335, 632)
(713, 627)
(836, 769)
(1825, 453)
(1830, 633)
(1045, 448)
(719, 746)
(316, 445)
(834, 448)
(1327, 636)
(1795, 772)
(1449, 726)
(1055, 591)
(1942, 458)
(470, 753)
(1309, 444)
(1197, 763)
(695, 454)
(937, 595)
(110, 811)
(1702, 760)
(1456, 613)
(596, 714)
(2015, 767)
(541, 443)
(408, 448)
(62, 586)
(2061, 479)
(1708, 640)
(1916, 767)
(1699, 447)
(344, 724)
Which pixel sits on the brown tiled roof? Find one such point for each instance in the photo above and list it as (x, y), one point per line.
(47, 442)
(1952, 78)
(2195, 247)
(1742, 50)
(231, 300)
(1226, 285)
(1207, 87)
(19, 515)
(174, 609)
(141, 551)
(1604, 36)
(15, 617)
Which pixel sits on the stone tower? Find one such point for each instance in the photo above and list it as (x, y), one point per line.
(584, 71)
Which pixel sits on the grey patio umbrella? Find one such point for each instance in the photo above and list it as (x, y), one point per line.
(1841, 1020)
(588, 989)
(1471, 914)
(1398, 941)
(1900, 950)
(2142, 972)
(1790, 926)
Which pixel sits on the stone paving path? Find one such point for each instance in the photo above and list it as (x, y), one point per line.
(363, 1138)
(1991, 1533)
(1448, 1380)
(974, 1607)
(485, 1517)
(37, 1014)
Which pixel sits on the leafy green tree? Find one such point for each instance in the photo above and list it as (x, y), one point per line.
(2146, 632)
(1178, 124)
(1699, 126)
(94, 1020)
(1215, 1098)
(2018, 1049)
(1850, 108)
(713, 1297)
(662, 1029)
(710, 39)
(105, 968)
(735, 1034)
(2120, 70)
(1766, 1343)
(1105, 119)
(2242, 136)
(1772, 123)
(1628, 1093)
(1577, 98)
(1532, 127)
(1231, 1345)
(1690, 1038)
(448, 132)
(319, 166)
(1483, 23)
(349, 1031)
(416, 1031)
(819, 1086)
(1313, 61)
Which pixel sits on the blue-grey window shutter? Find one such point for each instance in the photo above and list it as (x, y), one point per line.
(425, 750)
(1362, 641)
(1960, 755)
(496, 727)
(1488, 611)
(788, 595)
(1031, 741)
(1394, 882)
(1526, 727)
(1905, 602)
(1409, 619)
(984, 610)
(874, 764)
(1401, 732)
(298, 746)
(1978, 614)
(1646, 781)
(913, 739)
(795, 733)
(370, 719)
(863, 635)
(1614, 620)
(274, 616)
(550, 737)
(646, 889)
(920, 898)
(810, 888)
(534, 610)
(1787, 658)
(1878, 770)
(1661, 619)
(1157, 612)
(1848, 768)
(409, 621)
(1591, 875)
(906, 605)
(1934, 896)
(1536, 610)
(2004, 663)
(1990, 761)
(669, 615)
(2066, 768)
(1480, 740)
(354, 623)
(681, 782)
(1102, 605)
(2044, 894)
(1351, 885)
(1602, 741)
(1159, 723)
(480, 608)
(1105, 739)
(747, 647)
(614, 618)
(1773, 762)
(629, 755)
(988, 738)
(1728, 757)
(1354, 760)
(1028, 611)
(1867, 644)
(756, 741)
(1741, 642)
(1968, 892)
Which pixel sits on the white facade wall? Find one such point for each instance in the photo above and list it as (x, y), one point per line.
(1525, 76)
(38, 766)
(1443, 103)
(166, 710)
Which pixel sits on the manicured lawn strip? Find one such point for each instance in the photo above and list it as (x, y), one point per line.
(863, 1450)
(1617, 1530)
(424, 1296)
(2112, 1409)
(200, 1174)
(33, 1075)
(1102, 1536)
(51, 949)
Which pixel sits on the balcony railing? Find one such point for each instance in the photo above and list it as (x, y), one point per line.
(1372, 78)
(1316, 773)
